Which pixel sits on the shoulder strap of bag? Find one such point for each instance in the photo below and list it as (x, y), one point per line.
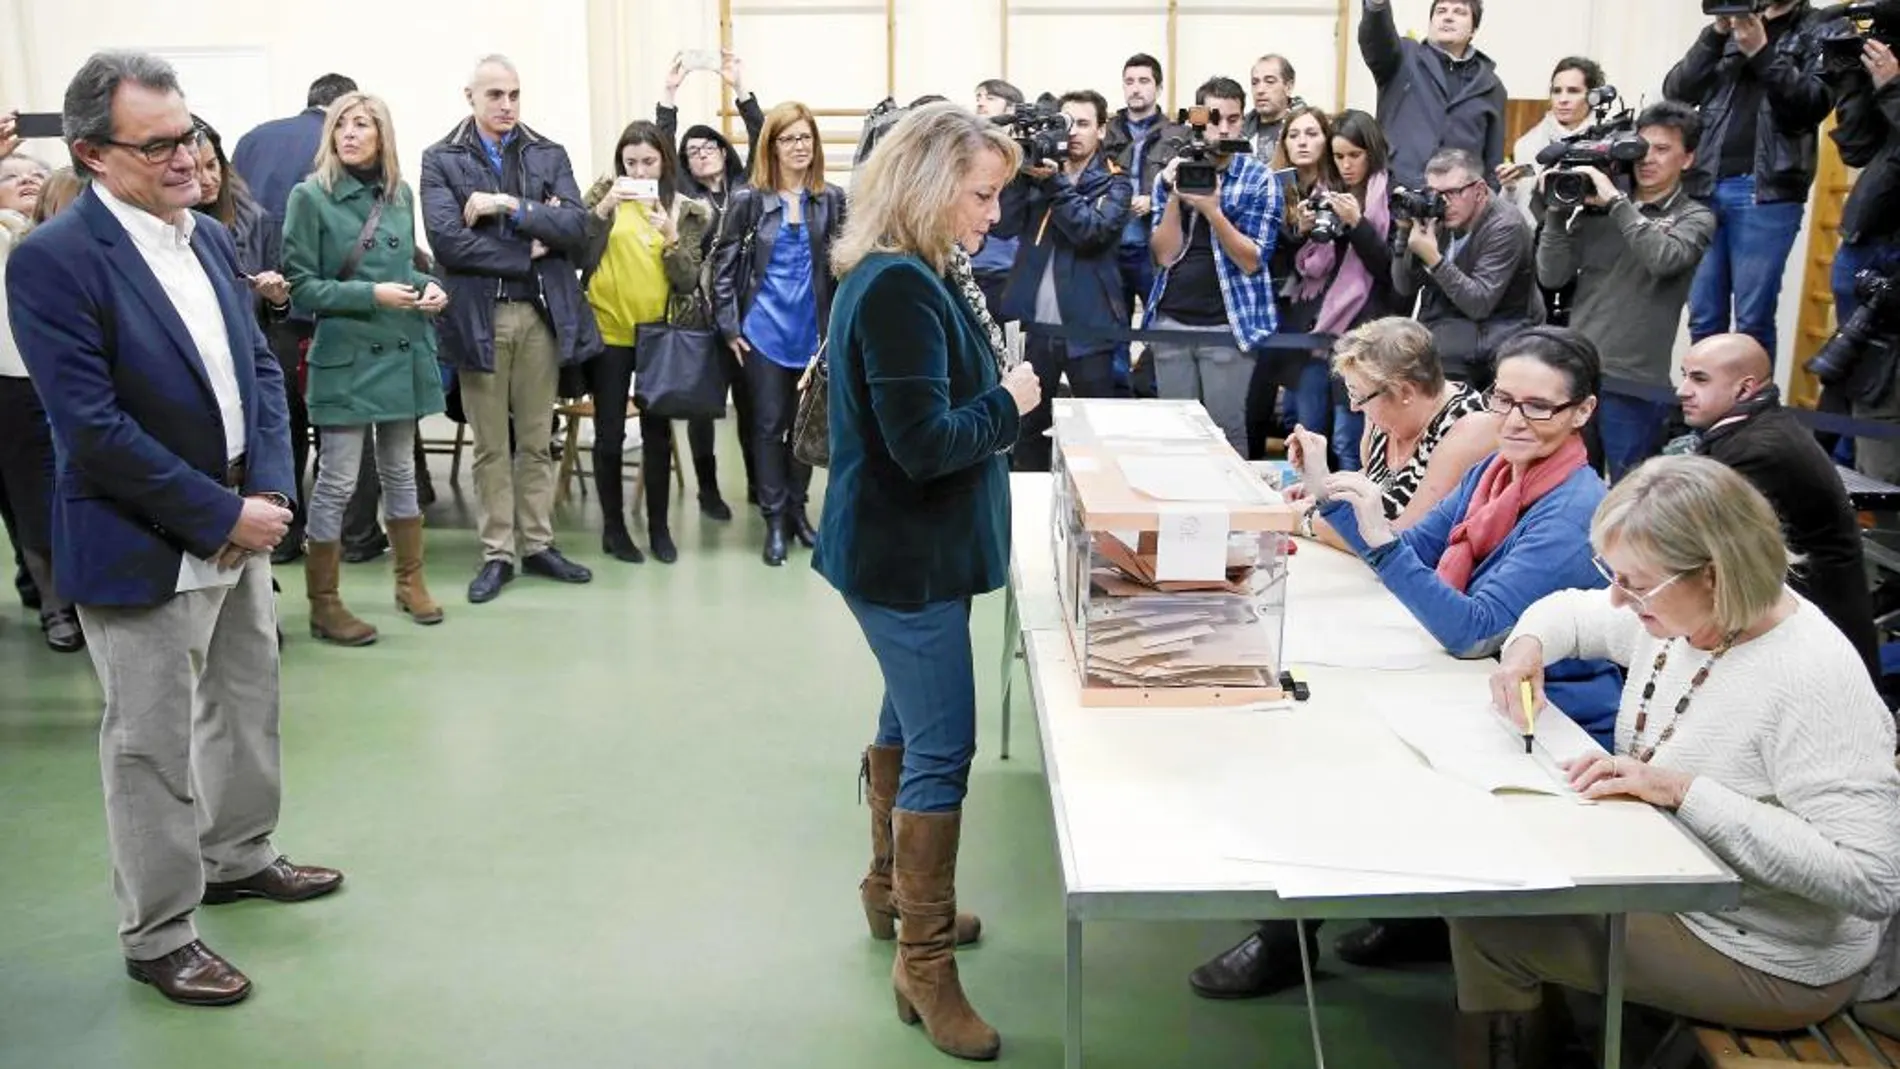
(363, 242)
(815, 367)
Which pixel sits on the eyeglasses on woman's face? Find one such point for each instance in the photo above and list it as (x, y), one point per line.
(704, 150)
(1533, 409)
(796, 140)
(1359, 401)
(1638, 598)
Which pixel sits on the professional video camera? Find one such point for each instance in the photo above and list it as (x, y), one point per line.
(1732, 8)
(1415, 205)
(1039, 129)
(1866, 342)
(1875, 19)
(1328, 227)
(1612, 146)
(1197, 173)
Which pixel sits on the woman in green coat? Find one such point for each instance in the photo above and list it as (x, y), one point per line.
(350, 256)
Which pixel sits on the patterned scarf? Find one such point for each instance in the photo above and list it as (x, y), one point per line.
(962, 277)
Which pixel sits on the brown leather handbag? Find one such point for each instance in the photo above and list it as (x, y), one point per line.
(811, 425)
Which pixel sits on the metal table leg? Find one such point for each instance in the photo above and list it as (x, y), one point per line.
(1613, 992)
(1012, 641)
(1312, 1001)
(1072, 1029)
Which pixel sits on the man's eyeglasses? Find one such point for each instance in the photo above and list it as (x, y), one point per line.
(161, 150)
(796, 140)
(1535, 411)
(1640, 599)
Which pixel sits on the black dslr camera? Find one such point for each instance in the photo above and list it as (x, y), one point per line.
(1865, 344)
(1612, 146)
(1328, 227)
(1415, 205)
(1039, 129)
(1197, 173)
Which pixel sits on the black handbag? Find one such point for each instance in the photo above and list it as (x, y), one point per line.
(677, 370)
(811, 425)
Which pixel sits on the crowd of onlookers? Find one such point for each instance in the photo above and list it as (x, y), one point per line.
(1467, 356)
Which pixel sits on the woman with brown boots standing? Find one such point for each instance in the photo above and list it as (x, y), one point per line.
(350, 256)
(923, 410)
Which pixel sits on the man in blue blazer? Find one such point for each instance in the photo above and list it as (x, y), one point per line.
(173, 486)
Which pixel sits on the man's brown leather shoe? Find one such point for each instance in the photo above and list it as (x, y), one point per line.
(280, 881)
(193, 976)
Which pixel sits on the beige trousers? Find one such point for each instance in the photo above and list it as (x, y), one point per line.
(1503, 962)
(188, 749)
(515, 496)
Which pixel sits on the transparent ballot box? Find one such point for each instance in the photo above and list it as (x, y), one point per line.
(1170, 553)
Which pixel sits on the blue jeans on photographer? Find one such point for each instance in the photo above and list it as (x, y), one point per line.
(1348, 428)
(1309, 403)
(1138, 278)
(923, 653)
(1875, 457)
(1632, 430)
(1742, 271)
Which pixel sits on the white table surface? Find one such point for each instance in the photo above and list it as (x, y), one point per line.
(1139, 793)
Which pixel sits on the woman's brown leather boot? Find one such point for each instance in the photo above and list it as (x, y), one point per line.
(924, 877)
(881, 769)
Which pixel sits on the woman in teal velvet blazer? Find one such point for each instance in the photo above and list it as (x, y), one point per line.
(916, 519)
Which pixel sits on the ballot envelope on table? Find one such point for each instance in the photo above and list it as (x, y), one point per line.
(1170, 553)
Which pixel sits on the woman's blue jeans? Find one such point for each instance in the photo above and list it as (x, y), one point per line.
(929, 707)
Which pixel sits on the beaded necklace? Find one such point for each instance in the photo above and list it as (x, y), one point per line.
(1682, 704)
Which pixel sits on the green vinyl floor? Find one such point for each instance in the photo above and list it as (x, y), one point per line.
(613, 825)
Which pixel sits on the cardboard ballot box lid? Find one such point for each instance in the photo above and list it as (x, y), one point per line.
(1131, 461)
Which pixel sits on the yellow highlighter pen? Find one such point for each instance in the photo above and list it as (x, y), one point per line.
(1530, 711)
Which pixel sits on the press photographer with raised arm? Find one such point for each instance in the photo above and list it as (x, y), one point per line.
(1070, 215)
(1440, 93)
(1755, 76)
(1632, 256)
(1868, 132)
(1219, 220)
(731, 71)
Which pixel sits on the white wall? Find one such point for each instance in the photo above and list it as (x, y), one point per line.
(418, 61)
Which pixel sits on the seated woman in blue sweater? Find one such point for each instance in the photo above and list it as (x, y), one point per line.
(1516, 528)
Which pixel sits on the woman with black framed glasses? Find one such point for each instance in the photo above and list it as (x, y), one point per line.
(1515, 530)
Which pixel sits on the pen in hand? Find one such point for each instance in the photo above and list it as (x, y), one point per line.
(1530, 708)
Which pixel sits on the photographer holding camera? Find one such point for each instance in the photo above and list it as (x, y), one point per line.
(1755, 77)
(1477, 271)
(1868, 133)
(1632, 257)
(1069, 216)
(1220, 213)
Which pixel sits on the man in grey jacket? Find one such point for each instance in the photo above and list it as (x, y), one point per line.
(1477, 272)
(1437, 94)
(1633, 257)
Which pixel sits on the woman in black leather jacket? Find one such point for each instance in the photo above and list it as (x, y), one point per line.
(772, 290)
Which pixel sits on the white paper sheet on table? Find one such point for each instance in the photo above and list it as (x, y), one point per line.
(1385, 830)
(1465, 740)
(1200, 477)
(1152, 422)
(1340, 640)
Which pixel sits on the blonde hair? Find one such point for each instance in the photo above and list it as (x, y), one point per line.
(1687, 513)
(1389, 352)
(767, 175)
(903, 197)
(60, 189)
(329, 165)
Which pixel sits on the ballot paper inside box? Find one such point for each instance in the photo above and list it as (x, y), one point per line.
(1170, 553)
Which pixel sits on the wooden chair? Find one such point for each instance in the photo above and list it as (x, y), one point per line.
(571, 414)
(450, 447)
(1838, 1041)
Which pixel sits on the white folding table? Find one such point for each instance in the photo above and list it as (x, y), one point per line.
(1133, 790)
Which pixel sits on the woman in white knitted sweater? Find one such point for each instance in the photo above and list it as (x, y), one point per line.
(1744, 713)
